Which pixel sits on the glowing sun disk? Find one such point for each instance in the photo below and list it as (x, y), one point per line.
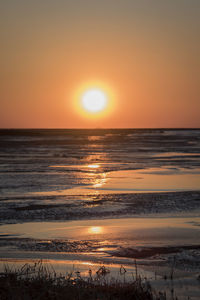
(94, 100)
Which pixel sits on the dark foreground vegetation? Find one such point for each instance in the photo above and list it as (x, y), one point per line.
(39, 282)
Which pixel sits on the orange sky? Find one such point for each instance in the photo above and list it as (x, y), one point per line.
(146, 52)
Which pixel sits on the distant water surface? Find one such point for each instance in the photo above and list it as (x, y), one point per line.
(56, 160)
(80, 197)
(83, 174)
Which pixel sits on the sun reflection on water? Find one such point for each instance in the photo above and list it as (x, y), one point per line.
(99, 182)
(95, 230)
(98, 179)
(93, 166)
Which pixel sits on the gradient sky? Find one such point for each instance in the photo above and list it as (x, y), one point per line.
(147, 52)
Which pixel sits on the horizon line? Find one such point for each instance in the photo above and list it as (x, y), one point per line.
(96, 128)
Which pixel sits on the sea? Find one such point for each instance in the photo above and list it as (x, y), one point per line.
(80, 197)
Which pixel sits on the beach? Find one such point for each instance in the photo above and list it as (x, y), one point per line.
(80, 199)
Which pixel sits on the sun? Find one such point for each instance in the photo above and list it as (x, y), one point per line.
(94, 100)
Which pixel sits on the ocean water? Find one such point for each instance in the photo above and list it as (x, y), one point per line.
(84, 197)
(49, 160)
(70, 174)
(63, 175)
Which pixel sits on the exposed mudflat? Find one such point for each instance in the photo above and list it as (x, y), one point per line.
(65, 207)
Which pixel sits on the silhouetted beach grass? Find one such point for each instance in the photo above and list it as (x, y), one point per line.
(40, 282)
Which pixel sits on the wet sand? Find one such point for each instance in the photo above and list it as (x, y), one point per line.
(80, 199)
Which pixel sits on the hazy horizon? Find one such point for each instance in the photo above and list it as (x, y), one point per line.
(101, 128)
